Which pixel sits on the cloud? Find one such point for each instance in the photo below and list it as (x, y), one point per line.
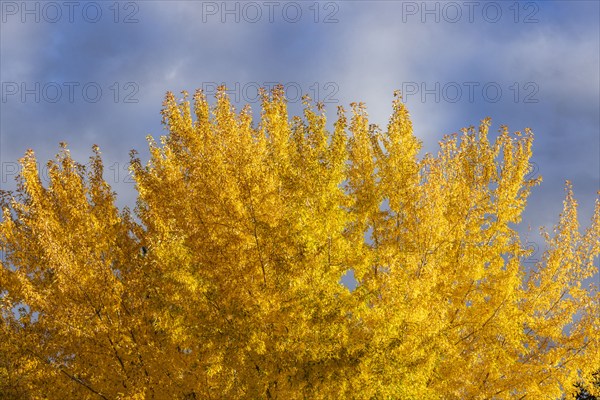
(335, 52)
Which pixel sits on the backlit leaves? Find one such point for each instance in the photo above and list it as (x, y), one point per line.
(225, 283)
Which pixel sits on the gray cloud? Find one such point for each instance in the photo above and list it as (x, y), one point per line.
(372, 49)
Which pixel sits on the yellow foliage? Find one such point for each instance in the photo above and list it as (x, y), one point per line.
(225, 282)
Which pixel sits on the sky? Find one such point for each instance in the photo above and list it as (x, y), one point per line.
(96, 73)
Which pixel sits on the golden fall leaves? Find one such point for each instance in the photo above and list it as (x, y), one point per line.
(246, 231)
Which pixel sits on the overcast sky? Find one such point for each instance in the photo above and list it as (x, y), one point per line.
(96, 73)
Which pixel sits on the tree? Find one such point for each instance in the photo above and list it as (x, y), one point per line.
(225, 281)
(584, 394)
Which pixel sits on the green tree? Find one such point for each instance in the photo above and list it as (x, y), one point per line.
(586, 394)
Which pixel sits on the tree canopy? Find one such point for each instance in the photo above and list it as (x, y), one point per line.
(224, 282)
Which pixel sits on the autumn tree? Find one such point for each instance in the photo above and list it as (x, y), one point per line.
(584, 394)
(225, 280)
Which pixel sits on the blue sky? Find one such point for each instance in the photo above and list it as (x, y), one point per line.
(96, 73)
